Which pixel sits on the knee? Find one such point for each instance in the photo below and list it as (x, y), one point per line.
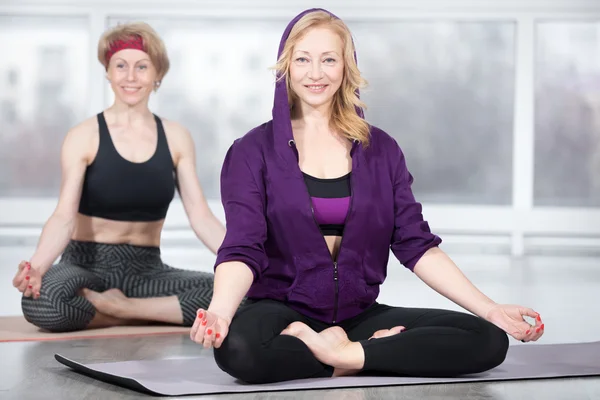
(240, 359)
(494, 342)
(56, 312)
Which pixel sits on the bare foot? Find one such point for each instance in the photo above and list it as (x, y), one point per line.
(331, 346)
(111, 302)
(387, 332)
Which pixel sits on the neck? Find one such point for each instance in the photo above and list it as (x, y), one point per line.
(129, 115)
(313, 119)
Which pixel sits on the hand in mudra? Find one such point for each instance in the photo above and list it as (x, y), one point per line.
(510, 319)
(209, 329)
(28, 280)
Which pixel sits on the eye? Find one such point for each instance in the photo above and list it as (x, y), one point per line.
(143, 67)
(301, 59)
(120, 65)
(330, 60)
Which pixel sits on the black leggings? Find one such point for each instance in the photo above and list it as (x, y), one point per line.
(436, 343)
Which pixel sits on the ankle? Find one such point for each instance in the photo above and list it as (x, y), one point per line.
(350, 358)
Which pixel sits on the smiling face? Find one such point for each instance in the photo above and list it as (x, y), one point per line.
(132, 76)
(317, 68)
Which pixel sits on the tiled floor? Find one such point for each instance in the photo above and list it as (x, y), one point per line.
(563, 290)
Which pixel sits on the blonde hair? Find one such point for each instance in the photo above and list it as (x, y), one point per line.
(344, 116)
(153, 45)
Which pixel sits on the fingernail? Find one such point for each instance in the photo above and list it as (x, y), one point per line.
(540, 328)
(527, 333)
(538, 317)
(218, 335)
(30, 287)
(27, 277)
(28, 266)
(209, 332)
(200, 314)
(204, 322)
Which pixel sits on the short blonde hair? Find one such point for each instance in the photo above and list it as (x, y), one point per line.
(153, 45)
(344, 116)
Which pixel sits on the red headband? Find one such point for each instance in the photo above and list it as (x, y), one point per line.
(134, 42)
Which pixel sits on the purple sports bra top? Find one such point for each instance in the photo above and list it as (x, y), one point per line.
(330, 202)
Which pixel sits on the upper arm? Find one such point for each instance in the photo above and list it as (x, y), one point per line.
(412, 236)
(243, 198)
(74, 157)
(188, 185)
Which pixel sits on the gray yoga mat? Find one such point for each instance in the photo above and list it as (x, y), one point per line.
(200, 375)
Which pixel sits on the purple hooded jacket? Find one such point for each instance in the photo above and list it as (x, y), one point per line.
(271, 228)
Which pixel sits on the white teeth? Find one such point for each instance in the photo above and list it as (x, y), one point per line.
(317, 87)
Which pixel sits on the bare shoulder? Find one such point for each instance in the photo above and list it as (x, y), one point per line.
(178, 136)
(82, 139)
(175, 130)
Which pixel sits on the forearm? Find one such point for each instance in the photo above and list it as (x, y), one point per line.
(53, 240)
(232, 281)
(440, 273)
(209, 230)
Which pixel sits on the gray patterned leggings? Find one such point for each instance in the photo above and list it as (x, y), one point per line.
(136, 270)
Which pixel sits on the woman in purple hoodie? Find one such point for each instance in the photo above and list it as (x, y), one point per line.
(314, 201)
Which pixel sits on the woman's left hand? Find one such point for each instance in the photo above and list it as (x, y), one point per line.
(510, 319)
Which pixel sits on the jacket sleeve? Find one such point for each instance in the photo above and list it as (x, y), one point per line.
(412, 236)
(243, 198)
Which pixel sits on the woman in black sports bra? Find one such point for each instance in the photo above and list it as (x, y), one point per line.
(120, 170)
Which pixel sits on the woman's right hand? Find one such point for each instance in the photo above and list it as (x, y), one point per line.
(28, 280)
(209, 329)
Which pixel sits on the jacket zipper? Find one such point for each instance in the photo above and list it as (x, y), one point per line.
(335, 309)
(337, 289)
(335, 267)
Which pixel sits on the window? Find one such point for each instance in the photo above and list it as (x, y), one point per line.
(44, 77)
(445, 91)
(567, 114)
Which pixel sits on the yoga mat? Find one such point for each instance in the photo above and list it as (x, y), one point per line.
(17, 329)
(200, 375)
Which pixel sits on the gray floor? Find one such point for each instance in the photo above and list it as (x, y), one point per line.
(563, 289)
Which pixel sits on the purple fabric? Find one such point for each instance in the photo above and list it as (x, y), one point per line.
(330, 211)
(270, 225)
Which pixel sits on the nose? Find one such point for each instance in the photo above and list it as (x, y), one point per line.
(316, 72)
(131, 74)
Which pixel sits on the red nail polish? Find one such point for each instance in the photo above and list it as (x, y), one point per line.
(527, 333)
(538, 317)
(209, 332)
(200, 314)
(27, 277)
(540, 328)
(218, 335)
(30, 287)
(28, 266)
(204, 323)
